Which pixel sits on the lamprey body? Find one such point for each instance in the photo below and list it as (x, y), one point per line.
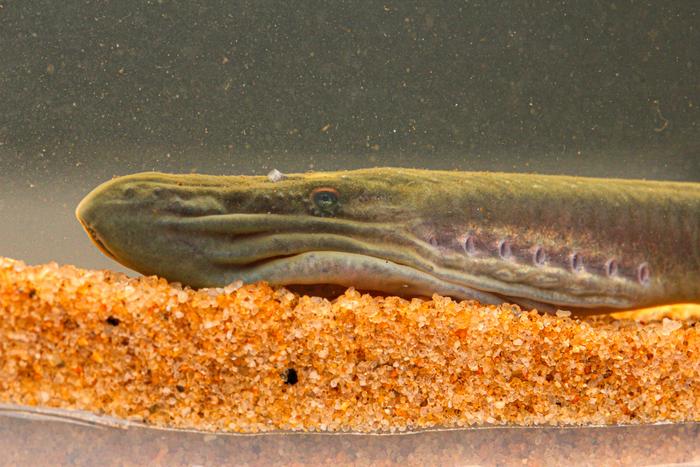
(544, 242)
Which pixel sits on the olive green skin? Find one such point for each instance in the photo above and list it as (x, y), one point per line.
(543, 242)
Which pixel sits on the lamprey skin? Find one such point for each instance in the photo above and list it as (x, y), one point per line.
(545, 242)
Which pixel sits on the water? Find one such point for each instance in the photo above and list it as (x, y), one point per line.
(90, 90)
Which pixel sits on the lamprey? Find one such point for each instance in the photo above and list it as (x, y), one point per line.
(544, 242)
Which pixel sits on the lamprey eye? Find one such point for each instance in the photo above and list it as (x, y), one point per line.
(325, 200)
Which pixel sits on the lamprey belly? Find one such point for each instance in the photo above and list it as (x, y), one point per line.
(540, 241)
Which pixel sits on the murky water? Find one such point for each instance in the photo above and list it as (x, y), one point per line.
(90, 90)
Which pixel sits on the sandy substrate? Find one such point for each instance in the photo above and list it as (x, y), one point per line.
(251, 358)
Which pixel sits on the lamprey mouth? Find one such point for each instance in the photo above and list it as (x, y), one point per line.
(95, 239)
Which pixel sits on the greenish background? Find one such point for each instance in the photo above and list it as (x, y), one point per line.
(91, 89)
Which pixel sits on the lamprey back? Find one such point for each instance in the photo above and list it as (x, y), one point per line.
(545, 242)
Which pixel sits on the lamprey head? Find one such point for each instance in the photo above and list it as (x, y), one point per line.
(208, 231)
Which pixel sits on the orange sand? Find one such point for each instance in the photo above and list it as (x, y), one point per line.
(253, 358)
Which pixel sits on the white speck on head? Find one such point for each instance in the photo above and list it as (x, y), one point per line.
(276, 176)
